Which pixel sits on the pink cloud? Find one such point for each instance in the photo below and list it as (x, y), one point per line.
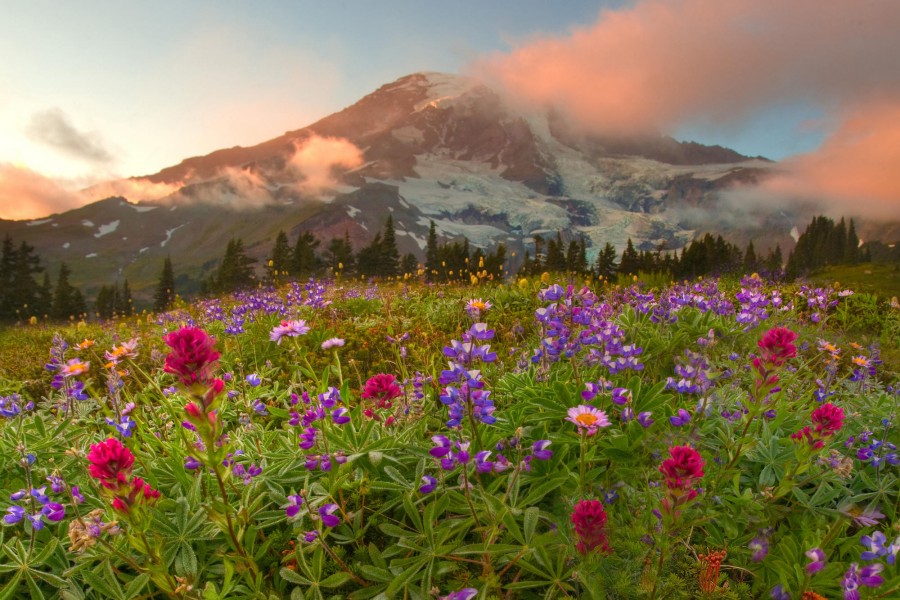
(135, 190)
(660, 63)
(855, 170)
(317, 157)
(25, 194)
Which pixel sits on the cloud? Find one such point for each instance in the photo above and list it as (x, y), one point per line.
(135, 190)
(316, 158)
(53, 128)
(662, 63)
(854, 172)
(25, 194)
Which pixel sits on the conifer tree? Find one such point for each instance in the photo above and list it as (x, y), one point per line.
(65, 303)
(750, 260)
(606, 262)
(304, 262)
(390, 256)
(630, 263)
(236, 270)
(410, 265)
(279, 264)
(431, 253)
(851, 247)
(340, 254)
(164, 298)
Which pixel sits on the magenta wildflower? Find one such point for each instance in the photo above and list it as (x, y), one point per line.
(589, 520)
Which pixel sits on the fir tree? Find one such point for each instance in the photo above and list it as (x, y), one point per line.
(851, 247)
(606, 262)
(304, 262)
(751, 263)
(65, 303)
(630, 263)
(431, 254)
(164, 298)
(340, 254)
(410, 265)
(390, 256)
(236, 270)
(126, 309)
(279, 264)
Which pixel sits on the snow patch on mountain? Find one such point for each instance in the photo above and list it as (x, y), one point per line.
(38, 222)
(87, 223)
(443, 88)
(91, 255)
(143, 209)
(169, 233)
(108, 228)
(66, 245)
(352, 211)
(447, 187)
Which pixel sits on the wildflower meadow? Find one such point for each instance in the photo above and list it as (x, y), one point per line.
(540, 439)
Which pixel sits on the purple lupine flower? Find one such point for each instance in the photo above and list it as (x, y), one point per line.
(682, 418)
(329, 519)
(54, 511)
(759, 548)
(621, 396)
(644, 419)
(339, 416)
(539, 450)
(308, 438)
(191, 463)
(329, 398)
(779, 593)
(463, 594)
(817, 558)
(253, 379)
(310, 536)
(875, 546)
(16, 514)
(442, 446)
(482, 464)
(293, 508)
(429, 484)
(77, 498)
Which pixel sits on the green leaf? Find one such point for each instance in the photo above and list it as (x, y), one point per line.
(403, 579)
(293, 577)
(336, 580)
(135, 586)
(376, 557)
(8, 591)
(376, 573)
(532, 514)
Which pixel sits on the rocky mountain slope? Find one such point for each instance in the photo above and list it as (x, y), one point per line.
(428, 146)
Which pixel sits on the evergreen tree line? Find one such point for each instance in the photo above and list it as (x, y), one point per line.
(704, 256)
(825, 243)
(455, 261)
(22, 297)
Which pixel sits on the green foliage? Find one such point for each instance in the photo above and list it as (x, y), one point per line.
(222, 531)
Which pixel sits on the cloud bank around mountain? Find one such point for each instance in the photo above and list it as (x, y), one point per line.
(659, 64)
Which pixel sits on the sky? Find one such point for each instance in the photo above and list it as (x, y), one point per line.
(95, 90)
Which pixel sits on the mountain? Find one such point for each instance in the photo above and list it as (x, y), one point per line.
(429, 146)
